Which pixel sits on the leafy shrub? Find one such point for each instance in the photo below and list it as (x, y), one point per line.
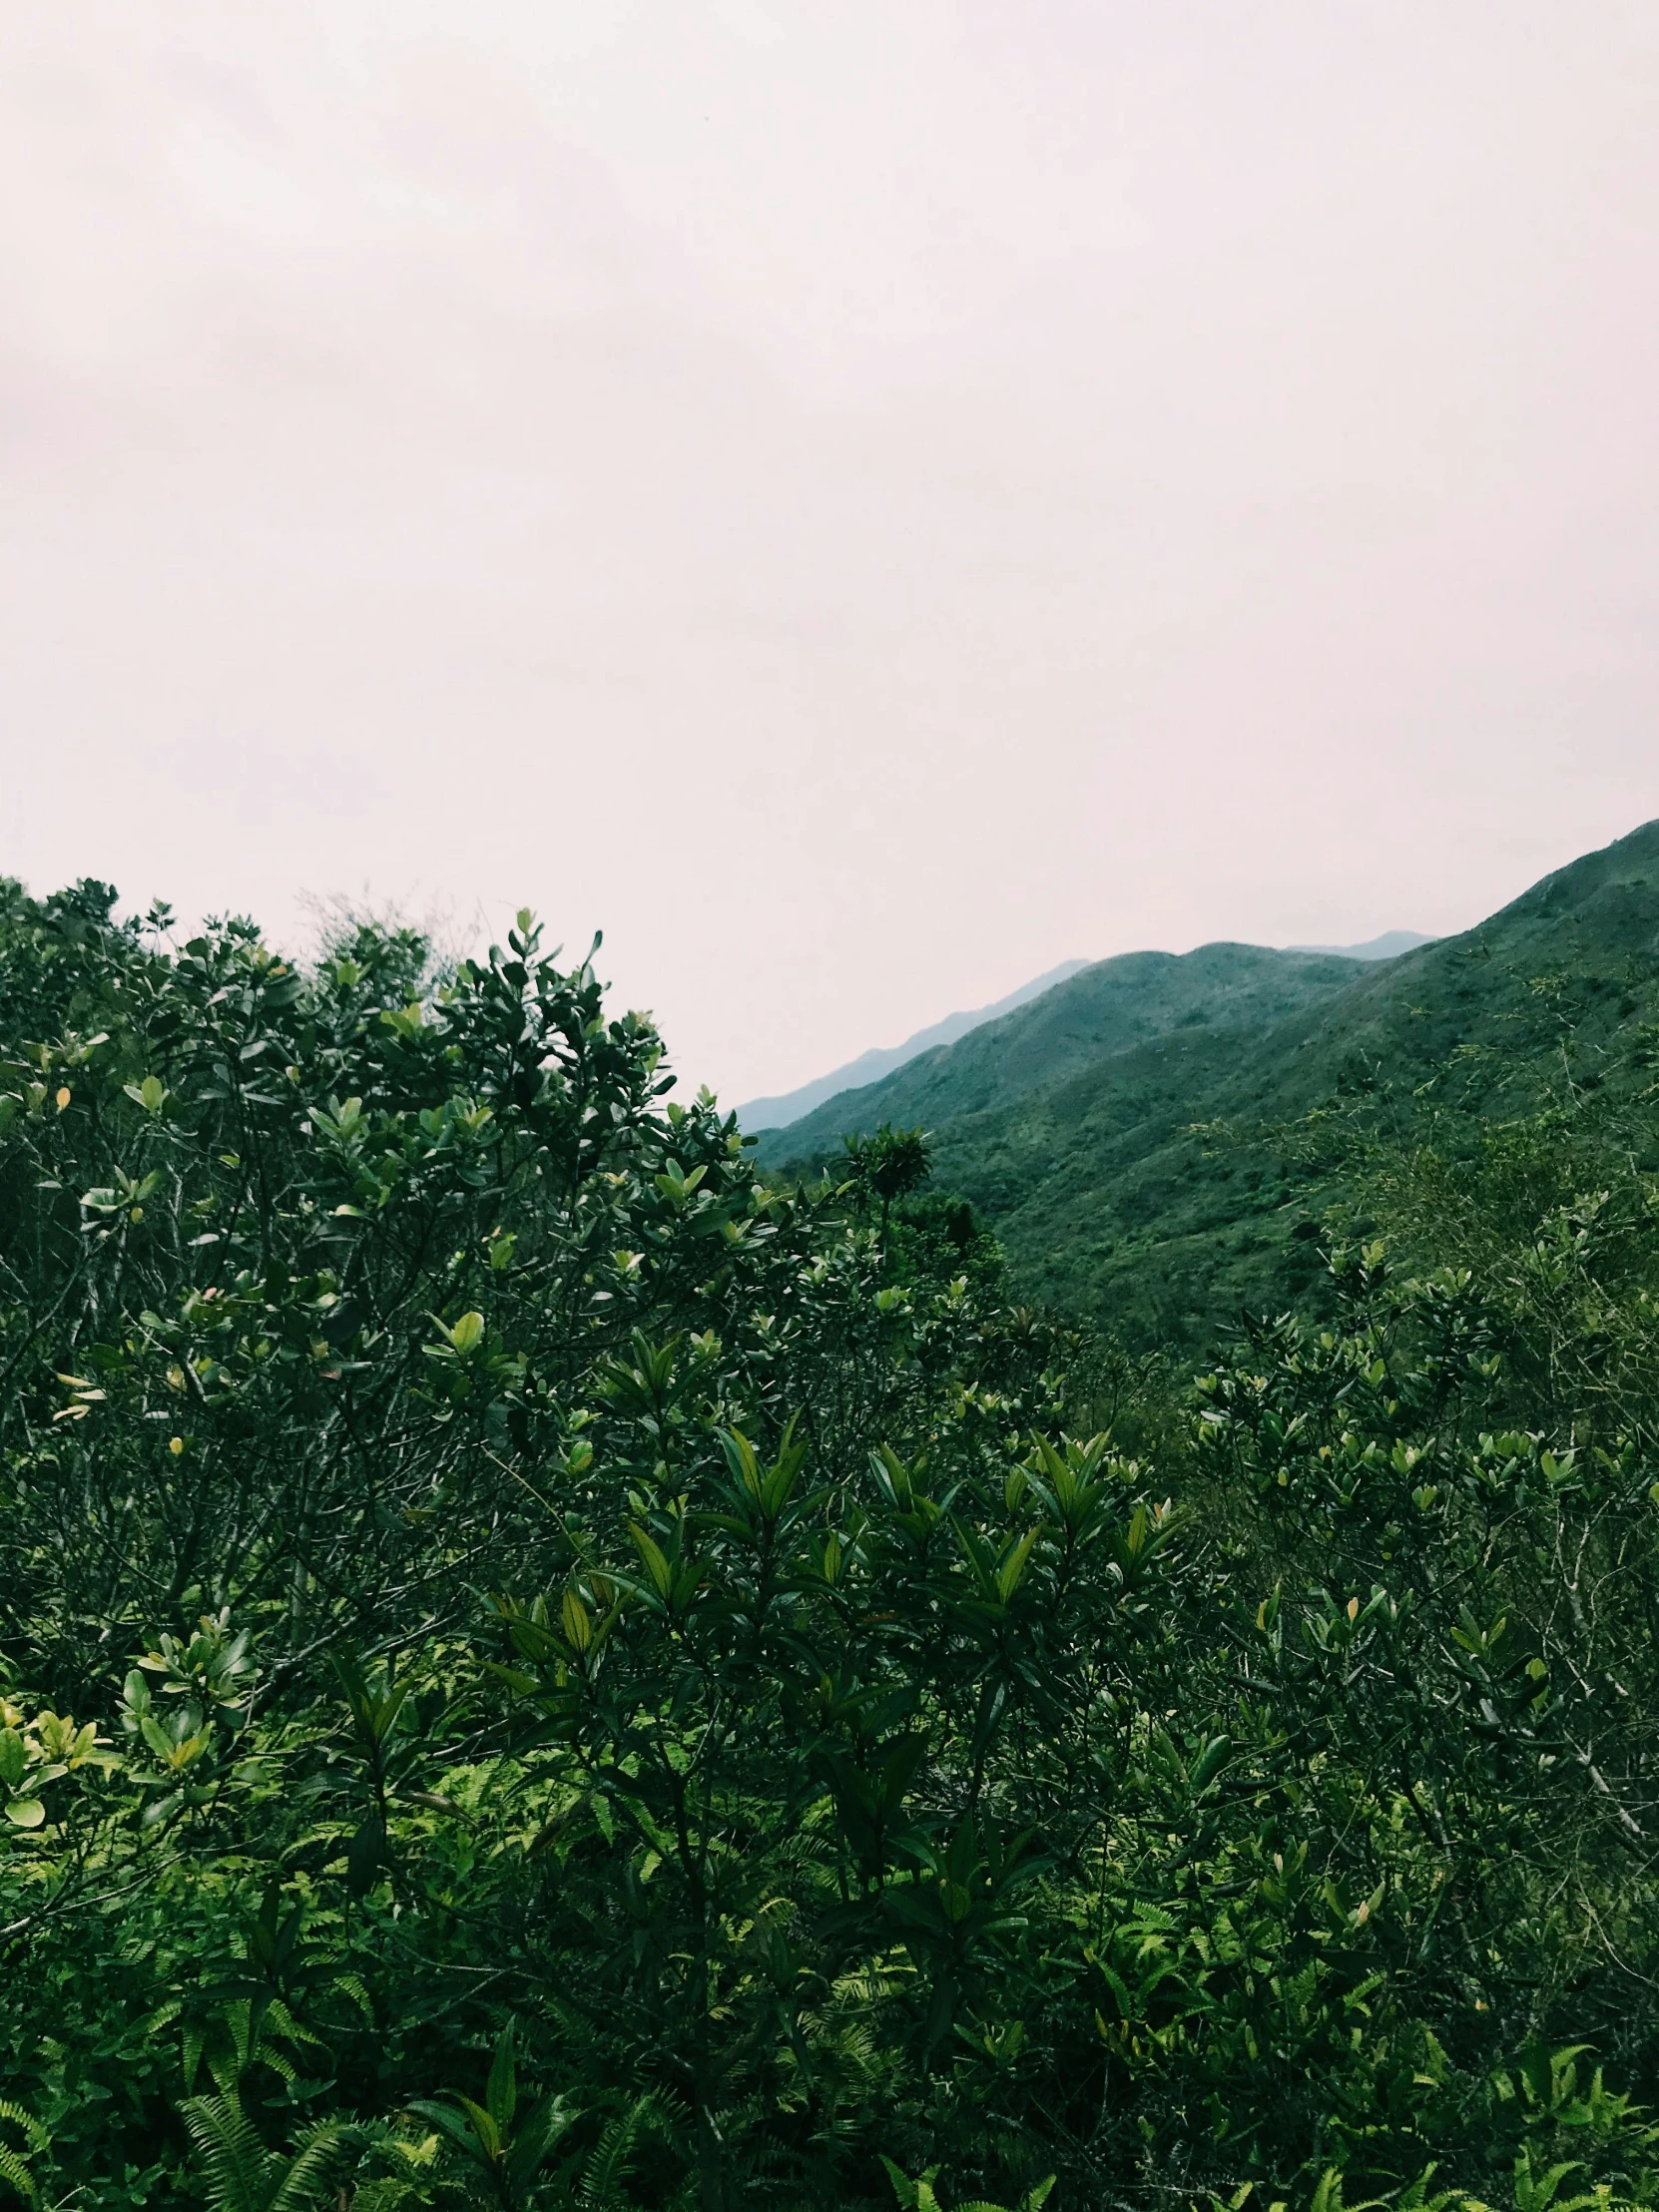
(539, 1670)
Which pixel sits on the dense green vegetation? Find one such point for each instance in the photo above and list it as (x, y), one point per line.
(541, 1669)
(1086, 1125)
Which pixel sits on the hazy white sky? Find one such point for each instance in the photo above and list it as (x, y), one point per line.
(862, 500)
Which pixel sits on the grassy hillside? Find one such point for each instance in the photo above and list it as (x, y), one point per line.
(870, 1067)
(1151, 1180)
(1111, 1008)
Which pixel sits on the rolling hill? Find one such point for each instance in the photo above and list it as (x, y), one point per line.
(870, 1067)
(1119, 1132)
(759, 1115)
(1107, 1009)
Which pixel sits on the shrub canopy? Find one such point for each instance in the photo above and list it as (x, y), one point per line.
(540, 1669)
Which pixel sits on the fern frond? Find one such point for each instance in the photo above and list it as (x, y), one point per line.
(242, 2176)
(35, 2133)
(352, 1984)
(296, 2031)
(310, 2176)
(12, 2170)
(602, 2179)
(239, 2167)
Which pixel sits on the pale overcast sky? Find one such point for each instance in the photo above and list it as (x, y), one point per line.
(861, 499)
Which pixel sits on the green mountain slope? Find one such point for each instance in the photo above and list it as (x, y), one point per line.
(1148, 1180)
(1108, 1008)
(869, 1067)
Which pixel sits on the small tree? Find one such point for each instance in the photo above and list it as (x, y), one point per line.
(891, 1163)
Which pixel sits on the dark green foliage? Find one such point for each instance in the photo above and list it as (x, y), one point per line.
(889, 1165)
(540, 1671)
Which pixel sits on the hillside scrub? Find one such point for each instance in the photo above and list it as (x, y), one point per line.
(540, 1670)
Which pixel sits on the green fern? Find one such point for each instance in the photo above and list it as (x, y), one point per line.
(603, 2176)
(919, 2197)
(242, 2176)
(13, 2168)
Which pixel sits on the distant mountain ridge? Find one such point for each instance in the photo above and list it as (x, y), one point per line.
(880, 1060)
(759, 1115)
(1123, 1133)
(1105, 1009)
(1388, 946)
